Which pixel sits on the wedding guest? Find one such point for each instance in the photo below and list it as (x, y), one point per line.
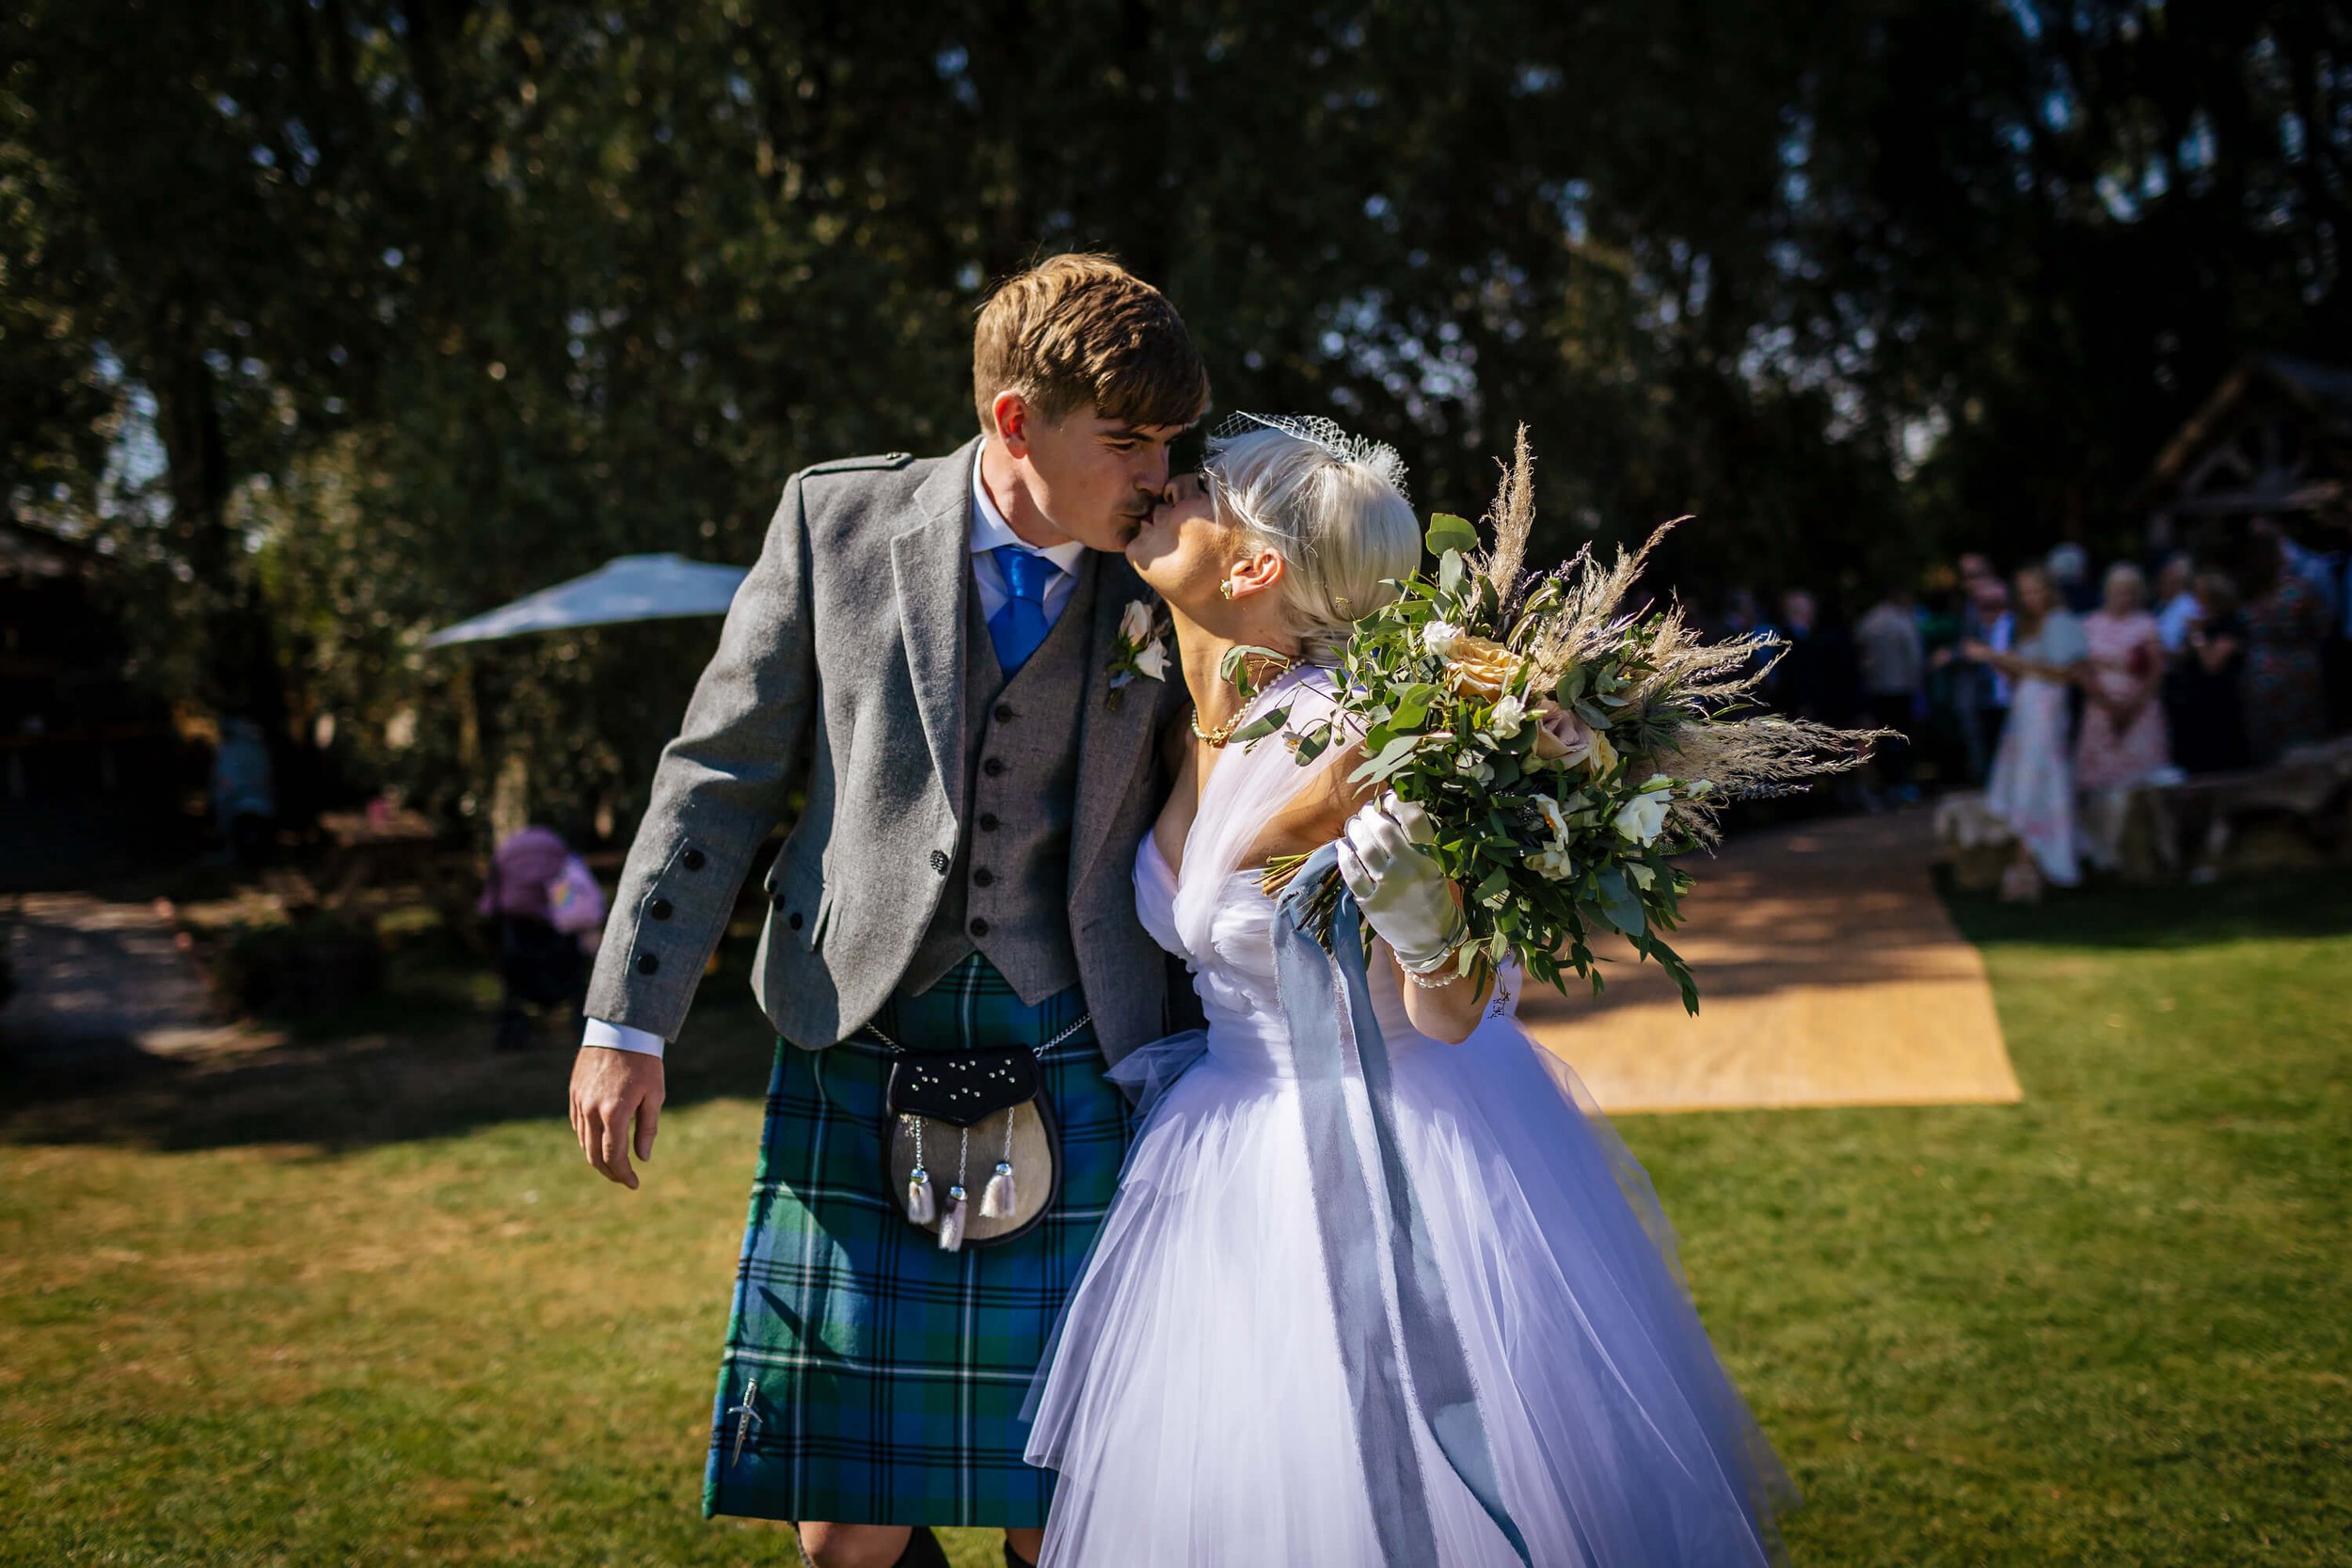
(1893, 654)
(545, 908)
(1981, 693)
(2122, 738)
(245, 791)
(2286, 623)
(1817, 677)
(2203, 695)
(2176, 601)
(2032, 786)
(2069, 565)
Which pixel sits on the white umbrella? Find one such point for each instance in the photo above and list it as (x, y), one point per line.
(627, 588)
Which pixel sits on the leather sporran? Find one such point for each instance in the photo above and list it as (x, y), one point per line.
(969, 1143)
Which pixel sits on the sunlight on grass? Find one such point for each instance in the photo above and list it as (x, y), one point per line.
(362, 1301)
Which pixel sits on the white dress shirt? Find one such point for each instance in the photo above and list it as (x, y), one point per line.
(989, 531)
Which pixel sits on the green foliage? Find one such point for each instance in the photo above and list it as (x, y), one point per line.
(526, 287)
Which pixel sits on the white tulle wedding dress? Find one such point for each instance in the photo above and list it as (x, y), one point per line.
(1198, 1405)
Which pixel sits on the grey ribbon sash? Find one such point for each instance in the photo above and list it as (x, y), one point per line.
(1411, 1362)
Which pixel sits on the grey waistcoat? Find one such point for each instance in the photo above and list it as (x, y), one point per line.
(1006, 894)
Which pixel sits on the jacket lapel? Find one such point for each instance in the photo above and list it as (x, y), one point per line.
(1115, 743)
(931, 568)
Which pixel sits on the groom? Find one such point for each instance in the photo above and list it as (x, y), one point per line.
(927, 647)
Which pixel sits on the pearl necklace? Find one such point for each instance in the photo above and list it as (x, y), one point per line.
(1268, 673)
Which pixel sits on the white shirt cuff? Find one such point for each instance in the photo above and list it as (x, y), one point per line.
(620, 1036)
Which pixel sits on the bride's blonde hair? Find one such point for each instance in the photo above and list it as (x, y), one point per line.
(1332, 505)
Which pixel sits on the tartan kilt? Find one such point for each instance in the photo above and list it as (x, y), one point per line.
(884, 1377)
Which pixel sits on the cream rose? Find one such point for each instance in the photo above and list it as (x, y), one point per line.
(1481, 666)
(1438, 638)
(1643, 817)
(1552, 862)
(1135, 623)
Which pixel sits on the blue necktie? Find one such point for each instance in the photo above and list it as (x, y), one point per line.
(1020, 625)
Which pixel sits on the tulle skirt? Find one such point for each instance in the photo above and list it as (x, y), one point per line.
(1196, 1405)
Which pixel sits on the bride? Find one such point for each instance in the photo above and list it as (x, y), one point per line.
(1294, 1342)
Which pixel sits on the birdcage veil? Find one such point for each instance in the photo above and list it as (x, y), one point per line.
(1379, 456)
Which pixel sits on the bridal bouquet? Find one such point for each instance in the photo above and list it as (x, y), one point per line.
(1565, 748)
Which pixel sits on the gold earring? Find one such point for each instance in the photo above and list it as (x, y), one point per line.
(1226, 588)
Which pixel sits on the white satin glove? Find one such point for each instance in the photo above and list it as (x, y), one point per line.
(1404, 897)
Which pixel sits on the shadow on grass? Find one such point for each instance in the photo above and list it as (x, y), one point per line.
(416, 1062)
(2297, 904)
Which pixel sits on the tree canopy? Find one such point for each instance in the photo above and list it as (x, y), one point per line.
(336, 320)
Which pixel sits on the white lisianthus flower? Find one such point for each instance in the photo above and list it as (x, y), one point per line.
(1643, 817)
(1656, 781)
(1509, 714)
(1151, 658)
(1134, 623)
(1552, 862)
(1476, 766)
(1555, 820)
(1438, 638)
(1700, 788)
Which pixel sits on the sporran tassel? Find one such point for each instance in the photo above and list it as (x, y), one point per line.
(951, 1220)
(922, 1207)
(999, 1197)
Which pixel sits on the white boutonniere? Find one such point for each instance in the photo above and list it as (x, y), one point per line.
(1141, 649)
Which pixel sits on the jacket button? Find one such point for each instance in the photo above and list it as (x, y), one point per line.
(793, 920)
(692, 859)
(992, 767)
(980, 927)
(939, 861)
(1004, 713)
(988, 821)
(647, 963)
(984, 877)
(658, 909)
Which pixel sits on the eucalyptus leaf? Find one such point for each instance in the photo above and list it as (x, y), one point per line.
(1450, 532)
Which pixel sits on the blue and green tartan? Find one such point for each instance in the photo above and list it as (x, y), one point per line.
(884, 1377)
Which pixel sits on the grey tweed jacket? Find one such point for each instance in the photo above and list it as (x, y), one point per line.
(841, 668)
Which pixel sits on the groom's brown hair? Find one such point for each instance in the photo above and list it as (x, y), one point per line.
(1082, 330)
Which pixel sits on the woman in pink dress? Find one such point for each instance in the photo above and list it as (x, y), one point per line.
(2124, 738)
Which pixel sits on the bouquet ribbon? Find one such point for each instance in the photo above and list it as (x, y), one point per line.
(1411, 1362)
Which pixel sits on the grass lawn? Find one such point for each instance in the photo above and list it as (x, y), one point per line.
(357, 1300)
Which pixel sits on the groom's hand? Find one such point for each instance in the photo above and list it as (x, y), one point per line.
(610, 1092)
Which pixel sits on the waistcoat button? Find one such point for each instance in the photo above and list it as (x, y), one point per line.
(1004, 713)
(992, 767)
(692, 859)
(988, 821)
(793, 920)
(658, 909)
(647, 963)
(980, 927)
(984, 877)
